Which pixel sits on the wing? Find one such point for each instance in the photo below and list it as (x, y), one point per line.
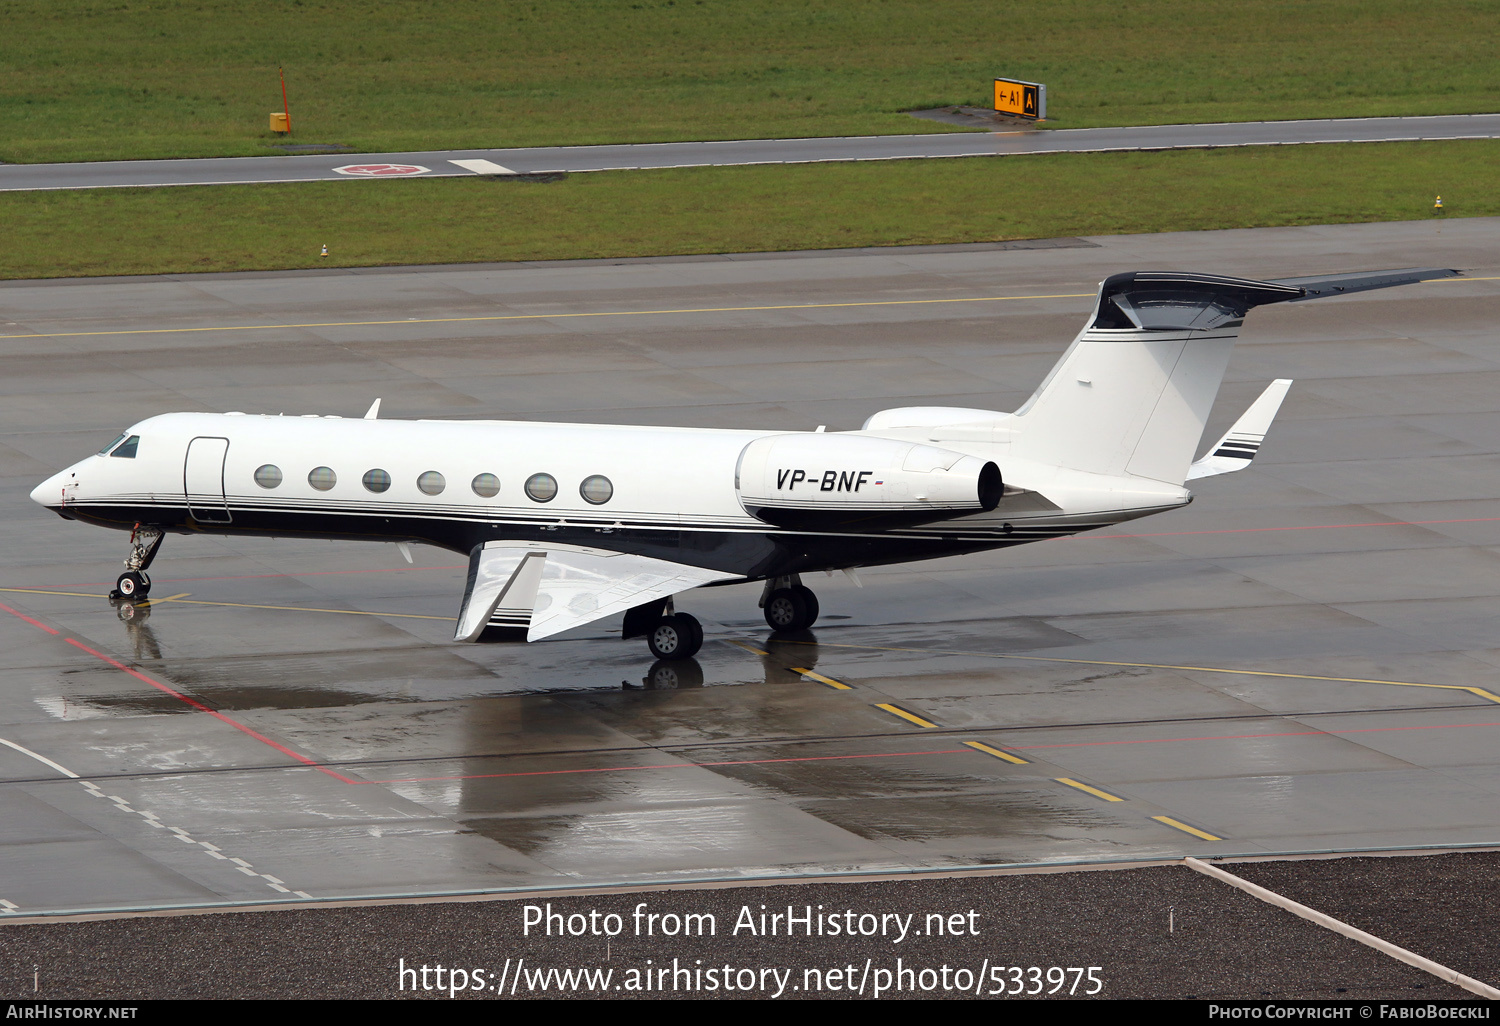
(1238, 447)
(548, 589)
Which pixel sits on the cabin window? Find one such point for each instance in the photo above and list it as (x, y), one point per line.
(486, 486)
(541, 487)
(376, 480)
(118, 439)
(322, 478)
(268, 476)
(431, 483)
(596, 489)
(127, 451)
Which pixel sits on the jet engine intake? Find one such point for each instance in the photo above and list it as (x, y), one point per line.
(822, 482)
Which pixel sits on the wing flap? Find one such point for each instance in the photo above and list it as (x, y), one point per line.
(580, 586)
(548, 589)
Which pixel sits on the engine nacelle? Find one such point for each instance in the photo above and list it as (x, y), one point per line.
(854, 482)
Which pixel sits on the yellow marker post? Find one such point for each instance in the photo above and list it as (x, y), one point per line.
(980, 746)
(910, 717)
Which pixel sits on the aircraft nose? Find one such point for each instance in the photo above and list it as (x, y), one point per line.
(50, 492)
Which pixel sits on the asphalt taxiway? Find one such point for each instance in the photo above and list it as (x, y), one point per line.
(734, 152)
(1301, 660)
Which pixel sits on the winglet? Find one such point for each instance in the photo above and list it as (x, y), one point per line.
(1238, 447)
(373, 411)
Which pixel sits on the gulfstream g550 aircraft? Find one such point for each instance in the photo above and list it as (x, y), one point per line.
(565, 524)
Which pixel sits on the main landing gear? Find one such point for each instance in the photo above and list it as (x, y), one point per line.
(133, 583)
(788, 605)
(668, 633)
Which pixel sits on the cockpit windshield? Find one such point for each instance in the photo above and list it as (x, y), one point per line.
(118, 439)
(127, 448)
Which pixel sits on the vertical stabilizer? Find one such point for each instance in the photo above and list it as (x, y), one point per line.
(1132, 394)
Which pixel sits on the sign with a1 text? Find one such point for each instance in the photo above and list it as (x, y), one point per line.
(1020, 99)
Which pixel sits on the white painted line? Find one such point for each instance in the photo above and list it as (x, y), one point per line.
(9, 906)
(1442, 972)
(483, 167)
(41, 759)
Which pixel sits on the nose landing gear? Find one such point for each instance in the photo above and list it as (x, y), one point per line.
(788, 605)
(133, 583)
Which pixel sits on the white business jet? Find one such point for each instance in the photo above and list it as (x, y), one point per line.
(565, 524)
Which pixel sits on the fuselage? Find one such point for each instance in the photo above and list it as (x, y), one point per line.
(666, 492)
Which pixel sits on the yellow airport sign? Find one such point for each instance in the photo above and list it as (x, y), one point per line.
(1020, 99)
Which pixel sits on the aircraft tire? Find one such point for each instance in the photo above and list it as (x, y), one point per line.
(811, 599)
(678, 636)
(133, 585)
(791, 609)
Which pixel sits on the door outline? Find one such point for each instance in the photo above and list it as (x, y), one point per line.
(207, 462)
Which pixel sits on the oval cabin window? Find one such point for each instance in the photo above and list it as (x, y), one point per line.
(268, 476)
(486, 486)
(541, 487)
(431, 483)
(596, 489)
(376, 480)
(322, 478)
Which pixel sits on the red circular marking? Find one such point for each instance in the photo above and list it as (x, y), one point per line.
(381, 170)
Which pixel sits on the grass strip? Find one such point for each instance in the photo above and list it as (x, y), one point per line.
(113, 79)
(742, 209)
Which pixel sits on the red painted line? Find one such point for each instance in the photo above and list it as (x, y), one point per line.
(677, 765)
(34, 623)
(1305, 527)
(1246, 737)
(212, 712)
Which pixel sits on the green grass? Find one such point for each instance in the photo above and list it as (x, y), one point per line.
(101, 79)
(711, 210)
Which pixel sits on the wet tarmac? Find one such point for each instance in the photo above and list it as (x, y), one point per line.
(1302, 660)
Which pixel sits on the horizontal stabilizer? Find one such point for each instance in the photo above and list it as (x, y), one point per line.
(1238, 447)
(548, 589)
(1362, 281)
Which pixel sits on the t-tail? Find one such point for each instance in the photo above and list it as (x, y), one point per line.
(1132, 394)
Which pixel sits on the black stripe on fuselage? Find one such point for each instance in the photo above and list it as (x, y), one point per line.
(738, 549)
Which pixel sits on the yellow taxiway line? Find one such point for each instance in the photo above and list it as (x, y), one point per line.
(550, 316)
(1169, 821)
(576, 314)
(836, 685)
(997, 753)
(1091, 790)
(910, 717)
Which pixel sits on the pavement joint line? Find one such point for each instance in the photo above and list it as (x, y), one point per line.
(1411, 958)
(1180, 825)
(551, 316)
(980, 746)
(911, 717)
(1487, 695)
(835, 684)
(1091, 790)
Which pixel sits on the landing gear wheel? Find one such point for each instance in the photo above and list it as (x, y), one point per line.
(791, 609)
(675, 637)
(133, 585)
